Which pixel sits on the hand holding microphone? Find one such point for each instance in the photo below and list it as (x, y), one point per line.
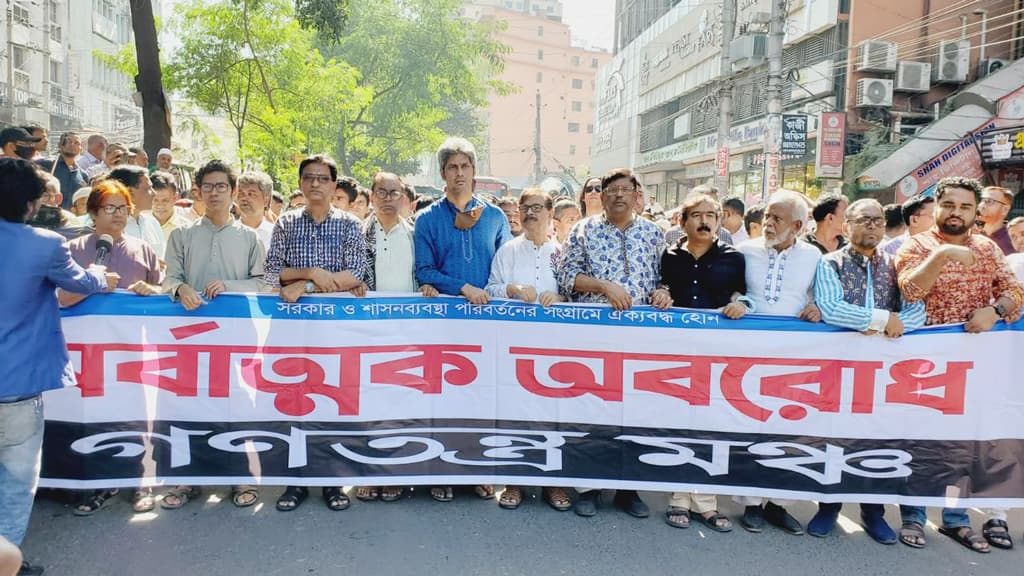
(99, 262)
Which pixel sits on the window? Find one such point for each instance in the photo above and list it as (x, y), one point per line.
(540, 53)
(575, 60)
(20, 14)
(590, 128)
(572, 149)
(55, 33)
(55, 72)
(593, 62)
(540, 77)
(577, 106)
(577, 84)
(540, 30)
(20, 57)
(53, 11)
(574, 127)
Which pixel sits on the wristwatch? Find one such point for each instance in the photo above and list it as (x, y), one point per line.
(310, 287)
(1000, 309)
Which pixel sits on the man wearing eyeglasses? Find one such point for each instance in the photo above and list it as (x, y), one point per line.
(615, 258)
(855, 287)
(993, 210)
(390, 254)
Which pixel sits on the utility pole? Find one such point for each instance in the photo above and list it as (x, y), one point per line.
(9, 24)
(537, 170)
(725, 98)
(773, 135)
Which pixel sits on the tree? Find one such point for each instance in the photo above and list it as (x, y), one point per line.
(156, 117)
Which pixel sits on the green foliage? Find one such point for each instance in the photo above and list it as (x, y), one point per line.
(373, 83)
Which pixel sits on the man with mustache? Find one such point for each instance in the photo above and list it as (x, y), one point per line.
(961, 277)
(780, 282)
(65, 167)
(700, 271)
(254, 190)
(614, 257)
(855, 287)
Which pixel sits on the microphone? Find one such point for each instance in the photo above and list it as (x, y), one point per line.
(103, 246)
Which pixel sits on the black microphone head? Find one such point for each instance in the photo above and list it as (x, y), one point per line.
(105, 242)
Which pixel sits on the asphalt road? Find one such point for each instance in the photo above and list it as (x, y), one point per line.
(470, 536)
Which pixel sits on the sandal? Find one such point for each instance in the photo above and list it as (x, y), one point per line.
(968, 537)
(910, 533)
(484, 491)
(336, 499)
(997, 533)
(143, 501)
(558, 499)
(93, 502)
(245, 496)
(181, 495)
(292, 498)
(714, 521)
(673, 515)
(367, 493)
(391, 493)
(442, 493)
(511, 497)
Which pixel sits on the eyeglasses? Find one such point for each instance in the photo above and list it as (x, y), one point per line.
(617, 190)
(112, 209)
(388, 194)
(321, 178)
(596, 188)
(531, 208)
(992, 201)
(869, 221)
(218, 187)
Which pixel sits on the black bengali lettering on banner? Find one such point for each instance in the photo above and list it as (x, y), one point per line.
(532, 453)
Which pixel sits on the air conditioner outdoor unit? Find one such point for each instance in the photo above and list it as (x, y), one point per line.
(874, 92)
(953, 61)
(876, 56)
(748, 50)
(913, 77)
(991, 66)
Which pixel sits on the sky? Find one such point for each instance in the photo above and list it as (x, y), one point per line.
(591, 20)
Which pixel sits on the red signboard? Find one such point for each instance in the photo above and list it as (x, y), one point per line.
(722, 161)
(831, 145)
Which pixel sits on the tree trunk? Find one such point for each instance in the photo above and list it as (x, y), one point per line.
(156, 117)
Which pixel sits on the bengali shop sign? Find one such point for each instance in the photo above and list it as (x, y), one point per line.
(831, 145)
(327, 391)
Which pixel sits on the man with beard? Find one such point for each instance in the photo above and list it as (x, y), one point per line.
(992, 211)
(95, 150)
(780, 281)
(164, 159)
(829, 215)
(254, 190)
(855, 287)
(18, 143)
(65, 167)
(961, 277)
(700, 271)
(510, 207)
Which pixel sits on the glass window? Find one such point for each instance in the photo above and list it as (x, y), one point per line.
(574, 127)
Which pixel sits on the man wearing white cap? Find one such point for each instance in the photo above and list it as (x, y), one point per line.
(164, 158)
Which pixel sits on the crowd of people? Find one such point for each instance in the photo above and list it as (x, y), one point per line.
(881, 271)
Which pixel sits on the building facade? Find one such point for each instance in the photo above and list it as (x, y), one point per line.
(546, 69)
(658, 99)
(51, 71)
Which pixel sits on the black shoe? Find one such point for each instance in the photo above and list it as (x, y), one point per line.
(29, 570)
(777, 516)
(629, 501)
(753, 518)
(586, 504)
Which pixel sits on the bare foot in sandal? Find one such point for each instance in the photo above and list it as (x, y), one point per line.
(367, 493)
(178, 496)
(484, 491)
(143, 501)
(511, 497)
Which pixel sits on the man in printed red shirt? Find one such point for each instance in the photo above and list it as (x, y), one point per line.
(961, 277)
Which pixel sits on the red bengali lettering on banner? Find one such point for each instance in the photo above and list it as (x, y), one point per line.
(811, 384)
(294, 378)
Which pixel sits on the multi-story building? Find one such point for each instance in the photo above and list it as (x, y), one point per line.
(658, 99)
(51, 72)
(551, 9)
(549, 71)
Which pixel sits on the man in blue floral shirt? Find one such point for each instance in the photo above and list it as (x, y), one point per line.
(614, 257)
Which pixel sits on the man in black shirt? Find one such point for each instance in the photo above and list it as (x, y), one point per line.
(699, 271)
